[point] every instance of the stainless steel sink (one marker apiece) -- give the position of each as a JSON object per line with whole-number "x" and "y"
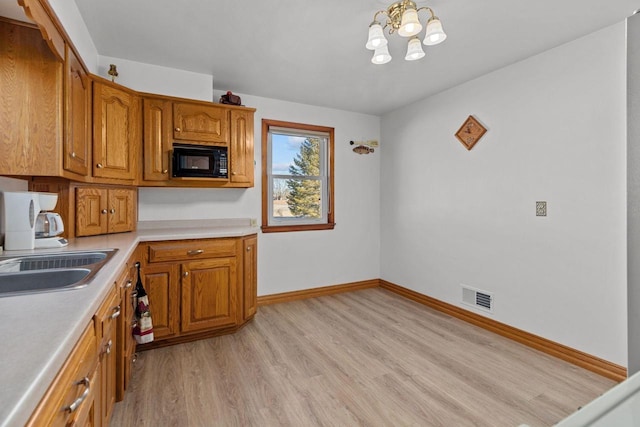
{"x": 26, "y": 274}
{"x": 42, "y": 280}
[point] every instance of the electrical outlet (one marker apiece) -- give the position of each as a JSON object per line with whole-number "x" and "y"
{"x": 541, "y": 208}
{"x": 254, "y": 222}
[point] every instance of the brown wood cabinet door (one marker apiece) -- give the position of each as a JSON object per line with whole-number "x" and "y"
{"x": 250, "y": 276}
{"x": 156, "y": 139}
{"x": 241, "y": 148}
{"x": 31, "y": 90}
{"x": 77, "y": 142}
{"x": 201, "y": 123}
{"x": 115, "y": 115}
{"x": 209, "y": 294}
{"x": 91, "y": 211}
{"x": 162, "y": 283}
{"x": 121, "y": 209}
{"x": 106, "y": 322}
{"x": 125, "y": 321}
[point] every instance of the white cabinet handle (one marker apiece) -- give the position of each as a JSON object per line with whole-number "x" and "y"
{"x": 129, "y": 284}
{"x": 116, "y": 312}
{"x": 73, "y": 154}
{"x": 99, "y": 166}
{"x": 186, "y": 274}
{"x": 76, "y": 403}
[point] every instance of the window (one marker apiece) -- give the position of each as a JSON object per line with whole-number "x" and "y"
{"x": 297, "y": 177}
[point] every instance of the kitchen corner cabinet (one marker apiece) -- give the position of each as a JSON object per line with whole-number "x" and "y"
{"x": 198, "y": 288}
{"x": 103, "y": 210}
{"x": 203, "y": 124}
{"x": 116, "y": 131}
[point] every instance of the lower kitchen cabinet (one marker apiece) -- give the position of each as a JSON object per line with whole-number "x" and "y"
{"x": 126, "y": 344}
{"x": 209, "y": 294}
{"x": 162, "y": 284}
{"x": 73, "y": 397}
{"x": 106, "y": 324}
{"x": 199, "y": 288}
{"x": 250, "y": 277}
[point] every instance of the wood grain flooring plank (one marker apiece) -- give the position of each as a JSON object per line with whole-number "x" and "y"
{"x": 367, "y": 358}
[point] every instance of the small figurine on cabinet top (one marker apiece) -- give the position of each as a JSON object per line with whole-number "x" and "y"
{"x": 230, "y": 98}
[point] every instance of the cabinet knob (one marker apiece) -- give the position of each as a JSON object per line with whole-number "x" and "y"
{"x": 73, "y": 154}
{"x": 234, "y": 173}
{"x": 128, "y": 284}
{"x": 108, "y": 347}
{"x": 186, "y": 274}
{"x": 248, "y": 248}
{"x": 103, "y": 211}
{"x": 166, "y": 171}
{"x": 178, "y": 130}
{"x": 112, "y": 211}
{"x": 99, "y": 166}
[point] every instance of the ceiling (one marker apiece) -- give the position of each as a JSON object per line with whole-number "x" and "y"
{"x": 313, "y": 52}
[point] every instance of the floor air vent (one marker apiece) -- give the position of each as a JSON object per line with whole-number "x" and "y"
{"x": 477, "y": 298}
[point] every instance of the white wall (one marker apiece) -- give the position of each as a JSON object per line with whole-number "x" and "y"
{"x": 633, "y": 190}
{"x": 556, "y": 133}
{"x": 156, "y": 79}
{"x": 72, "y": 21}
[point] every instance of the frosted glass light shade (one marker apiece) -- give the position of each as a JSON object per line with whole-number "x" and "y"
{"x": 376, "y": 37}
{"x": 435, "y": 33}
{"x": 381, "y": 55}
{"x": 409, "y": 26}
{"x": 414, "y": 49}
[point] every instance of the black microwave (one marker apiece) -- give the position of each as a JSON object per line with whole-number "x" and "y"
{"x": 199, "y": 161}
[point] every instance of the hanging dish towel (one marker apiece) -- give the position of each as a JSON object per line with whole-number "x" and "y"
{"x": 143, "y": 331}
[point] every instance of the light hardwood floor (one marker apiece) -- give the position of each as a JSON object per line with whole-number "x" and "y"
{"x": 361, "y": 358}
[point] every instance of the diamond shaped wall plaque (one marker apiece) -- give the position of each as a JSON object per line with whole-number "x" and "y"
{"x": 470, "y": 132}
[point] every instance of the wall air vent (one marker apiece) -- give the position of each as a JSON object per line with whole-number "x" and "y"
{"x": 476, "y": 298}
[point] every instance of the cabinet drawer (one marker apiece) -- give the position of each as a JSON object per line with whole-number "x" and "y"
{"x": 193, "y": 249}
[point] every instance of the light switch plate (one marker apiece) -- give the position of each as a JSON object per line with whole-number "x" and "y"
{"x": 541, "y": 208}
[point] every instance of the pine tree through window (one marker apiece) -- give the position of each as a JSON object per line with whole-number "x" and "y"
{"x": 297, "y": 177}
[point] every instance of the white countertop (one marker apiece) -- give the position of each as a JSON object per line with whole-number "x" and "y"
{"x": 38, "y": 331}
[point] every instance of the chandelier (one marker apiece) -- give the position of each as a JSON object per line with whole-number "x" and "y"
{"x": 402, "y": 17}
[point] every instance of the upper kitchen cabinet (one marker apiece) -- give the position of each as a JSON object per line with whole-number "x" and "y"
{"x": 31, "y": 91}
{"x": 157, "y": 131}
{"x": 200, "y": 123}
{"x": 116, "y": 131}
{"x": 241, "y": 148}
{"x": 77, "y": 145}
{"x": 169, "y": 120}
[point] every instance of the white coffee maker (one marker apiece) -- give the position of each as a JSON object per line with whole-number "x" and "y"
{"x": 19, "y": 211}
{"x": 49, "y": 225}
